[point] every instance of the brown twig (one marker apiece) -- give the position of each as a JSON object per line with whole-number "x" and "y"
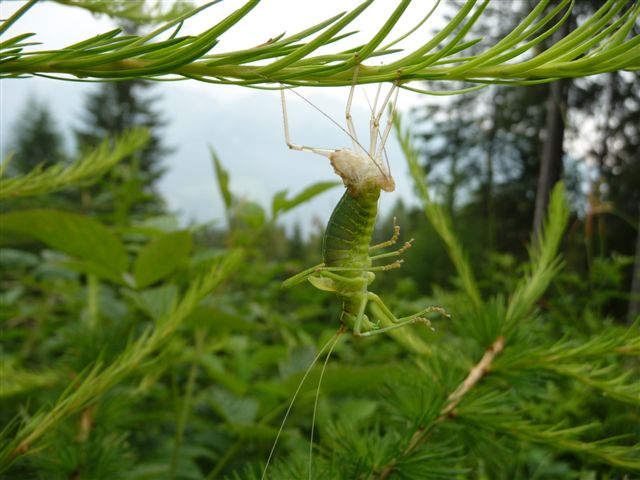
{"x": 475, "y": 375}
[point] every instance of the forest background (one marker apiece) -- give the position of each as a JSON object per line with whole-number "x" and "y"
{"x": 204, "y": 391}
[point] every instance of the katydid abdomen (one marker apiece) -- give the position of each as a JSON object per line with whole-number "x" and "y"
{"x": 349, "y": 230}
{"x": 346, "y": 245}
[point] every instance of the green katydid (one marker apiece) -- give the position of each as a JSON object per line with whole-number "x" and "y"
{"x": 348, "y": 266}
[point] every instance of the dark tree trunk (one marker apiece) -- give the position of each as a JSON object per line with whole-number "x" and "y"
{"x": 634, "y": 301}
{"x": 551, "y": 162}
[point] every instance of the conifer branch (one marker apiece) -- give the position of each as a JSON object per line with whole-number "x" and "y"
{"x": 605, "y": 42}
{"x": 585, "y": 362}
{"x": 623, "y": 456}
{"x": 89, "y": 168}
{"x": 475, "y": 375}
{"x": 479, "y": 370}
{"x": 438, "y": 217}
{"x": 88, "y": 386}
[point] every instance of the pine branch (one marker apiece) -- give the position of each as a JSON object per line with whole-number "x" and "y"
{"x": 583, "y": 362}
{"x": 96, "y": 380}
{"x": 17, "y": 381}
{"x": 605, "y": 42}
{"x": 559, "y": 439}
{"x": 544, "y": 261}
{"x": 86, "y": 169}
{"x": 476, "y": 374}
{"x": 438, "y": 217}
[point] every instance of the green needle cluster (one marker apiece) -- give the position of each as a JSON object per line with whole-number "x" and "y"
{"x": 604, "y": 42}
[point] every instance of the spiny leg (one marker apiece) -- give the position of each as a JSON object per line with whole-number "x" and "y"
{"x": 325, "y": 152}
{"x": 399, "y": 322}
{"x": 378, "y": 301}
{"x": 391, "y": 241}
{"x": 380, "y": 268}
{"x": 395, "y": 253}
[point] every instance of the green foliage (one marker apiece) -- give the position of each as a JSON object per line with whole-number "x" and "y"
{"x": 282, "y": 204}
{"x": 146, "y": 351}
{"x": 168, "y": 381}
{"x": 161, "y": 257}
{"x": 73, "y": 234}
{"x": 603, "y": 43}
{"x": 86, "y": 169}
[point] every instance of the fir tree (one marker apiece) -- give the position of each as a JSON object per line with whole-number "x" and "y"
{"x": 37, "y": 141}
{"x": 112, "y": 109}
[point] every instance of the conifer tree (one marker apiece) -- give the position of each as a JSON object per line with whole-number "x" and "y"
{"x": 36, "y": 139}
{"x": 112, "y": 109}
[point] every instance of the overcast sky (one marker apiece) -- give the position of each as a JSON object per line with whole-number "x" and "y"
{"x": 243, "y": 125}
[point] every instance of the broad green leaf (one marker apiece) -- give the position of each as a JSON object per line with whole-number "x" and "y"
{"x": 234, "y": 409}
{"x": 156, "y": 302}
{"x": 223, "y": 179}
{"x": 282, "y": 204}
{"x": 91, "y": 268}
{"x": 160, "y": 257}
{"x": 249, "y": 214}
{"x": 73, "y": 234}
{"x": 217, "y": 374}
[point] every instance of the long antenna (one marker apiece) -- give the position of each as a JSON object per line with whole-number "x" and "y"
{"x": 295, "y": 395}
{"x": 315, "y": 403}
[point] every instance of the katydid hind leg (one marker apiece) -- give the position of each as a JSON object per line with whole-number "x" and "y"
{"x": 425, "y": 311}
{"x": 359, "y": 320}
{"x": 301, "y": 277}
{"x": 402, "y": 321}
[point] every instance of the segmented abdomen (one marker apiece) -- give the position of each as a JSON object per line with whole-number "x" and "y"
{"x": 348, "y": 233}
